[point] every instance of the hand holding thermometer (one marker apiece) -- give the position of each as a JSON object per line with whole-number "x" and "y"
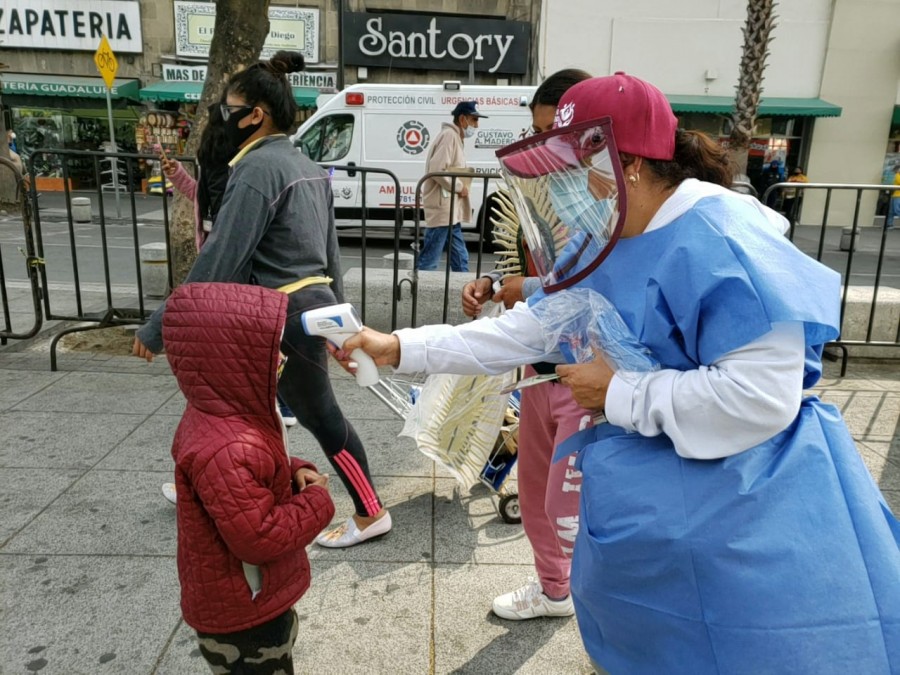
{"x": 337, "y": 323}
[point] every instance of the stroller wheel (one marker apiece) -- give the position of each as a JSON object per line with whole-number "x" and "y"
{"x": 509, "y": 509}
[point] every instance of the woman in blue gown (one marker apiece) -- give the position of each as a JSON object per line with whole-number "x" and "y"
{"x": 728, "y": 524}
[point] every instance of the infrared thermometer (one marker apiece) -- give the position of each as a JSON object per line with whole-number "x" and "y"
{"x": 337, "y": 323}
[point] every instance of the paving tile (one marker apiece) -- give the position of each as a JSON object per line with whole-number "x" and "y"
{"x": 869, "y": 415}
{"x": 365, "y": 617}
{"x": 174, "y": 406}
{"x": 182, "y": 655}
{"x": 18, "y": 385}
{"x": 58, "y": 439}
{"x": 468, "y": 528}
{"x": 884, "y": 467}
{"x": 104, "y": 513}
{"x": 27, "y": 492}
{"x": 66, "y": 615}
{"x": 102, "y": 392}
{"x": 470, "y": 639}
{"x": 147, "y": 448}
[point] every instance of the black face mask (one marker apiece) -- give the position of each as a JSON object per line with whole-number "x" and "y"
{"x": 238, "y": 135}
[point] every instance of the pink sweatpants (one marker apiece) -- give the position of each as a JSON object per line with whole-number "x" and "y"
{"x": 549, "y": 493}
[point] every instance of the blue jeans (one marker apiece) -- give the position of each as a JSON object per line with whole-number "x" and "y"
{"x": 434, "y": 244}
{"x": 892, "y": 212}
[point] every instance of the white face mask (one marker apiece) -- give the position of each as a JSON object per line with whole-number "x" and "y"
{"x": 468, "y": 132}
{"x": 577, "y": 207}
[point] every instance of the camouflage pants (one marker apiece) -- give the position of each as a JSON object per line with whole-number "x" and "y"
{"x": 261, "y": 650}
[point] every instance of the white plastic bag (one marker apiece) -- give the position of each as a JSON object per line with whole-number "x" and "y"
{"x": 456, "y": 420}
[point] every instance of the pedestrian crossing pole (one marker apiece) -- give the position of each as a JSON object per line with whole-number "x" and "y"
{"x": 108, "y": 66}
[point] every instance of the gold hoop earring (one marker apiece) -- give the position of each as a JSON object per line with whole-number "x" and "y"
{"x": 634, "y": 179}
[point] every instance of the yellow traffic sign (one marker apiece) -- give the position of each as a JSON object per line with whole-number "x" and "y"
{"x": 106, "y": 62}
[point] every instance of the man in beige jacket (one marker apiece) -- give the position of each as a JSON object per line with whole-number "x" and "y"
{"x": 447, "y": 154}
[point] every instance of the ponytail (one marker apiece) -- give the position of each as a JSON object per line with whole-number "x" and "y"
{"x": 696, "y": 156}
{"x": 266, "y": 83}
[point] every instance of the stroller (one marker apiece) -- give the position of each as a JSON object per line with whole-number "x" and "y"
{"x": 463, "y": 423}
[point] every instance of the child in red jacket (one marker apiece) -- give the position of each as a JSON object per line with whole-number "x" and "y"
{"x": 246, "y": 510}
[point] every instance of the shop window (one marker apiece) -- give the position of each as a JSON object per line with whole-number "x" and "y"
{"x": 713, "y": 125}
{"x": 327, "y": 140}
{"x": 71, "y": 129}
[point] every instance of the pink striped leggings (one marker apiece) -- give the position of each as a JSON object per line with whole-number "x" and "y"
{"x": 306, "y": 388}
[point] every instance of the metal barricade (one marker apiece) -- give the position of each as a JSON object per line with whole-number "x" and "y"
{"x": 115, "y": 311}
{"x": 481, "y": 228}
{"x": 366, "y": 172}
{"x": 825, "y": 254}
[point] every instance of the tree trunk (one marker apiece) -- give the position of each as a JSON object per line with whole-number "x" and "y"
{"x": 240, "y": 30}
{"x": 757, "y": 36}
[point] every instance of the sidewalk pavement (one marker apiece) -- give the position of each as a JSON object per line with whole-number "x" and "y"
{"x": 87, "y": 543}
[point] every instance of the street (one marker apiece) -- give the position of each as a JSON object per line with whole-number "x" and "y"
{"x": 57, "y": 245}
{"x": 57, "y": 242}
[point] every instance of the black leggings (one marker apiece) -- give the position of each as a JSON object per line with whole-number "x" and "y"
{"x": 306, "y": 388}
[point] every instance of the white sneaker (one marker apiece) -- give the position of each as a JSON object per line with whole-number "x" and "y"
{"x": 529, "y": 602}
{"x": 168, "y": 490}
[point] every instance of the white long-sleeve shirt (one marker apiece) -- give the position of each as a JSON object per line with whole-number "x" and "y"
{"x": 742, "y": 399}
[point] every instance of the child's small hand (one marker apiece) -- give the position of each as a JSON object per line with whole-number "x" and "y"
{"x": 321, "y": 481}
{"x": 304, "y": 477}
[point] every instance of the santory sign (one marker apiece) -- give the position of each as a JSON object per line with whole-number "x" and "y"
{"x": 436, "y": 42}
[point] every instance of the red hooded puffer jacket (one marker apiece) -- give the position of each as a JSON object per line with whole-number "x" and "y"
{"x": 241, "y": 521}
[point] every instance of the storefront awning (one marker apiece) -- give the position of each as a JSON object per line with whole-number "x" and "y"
{"x": 172, "y": 91}
{"x": 768, "y": 107}
{"x": 27, "y": 84}
{"x": 190, "y": 92}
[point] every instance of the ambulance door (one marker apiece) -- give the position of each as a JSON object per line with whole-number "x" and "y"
{"x": 398, "y": 141}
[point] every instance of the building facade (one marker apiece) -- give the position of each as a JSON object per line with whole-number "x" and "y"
{"x": 830, "y": 89}
{"x": 830, "y": 102}
{"x": 53, "y": 96}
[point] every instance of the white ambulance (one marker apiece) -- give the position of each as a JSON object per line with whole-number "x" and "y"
{"x": 391, "y": 126}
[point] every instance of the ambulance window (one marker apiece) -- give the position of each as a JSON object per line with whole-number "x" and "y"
{"x": 337, "y": 137}
{"x": 310, "y": 142}
{"x": 328, "y": 140}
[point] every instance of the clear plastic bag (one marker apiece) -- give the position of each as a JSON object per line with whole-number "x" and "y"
{"x": 456, "y": 420}
{"x": 578, "y": 319}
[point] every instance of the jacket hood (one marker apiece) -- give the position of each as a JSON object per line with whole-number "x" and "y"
{"x": 222, "y": 342}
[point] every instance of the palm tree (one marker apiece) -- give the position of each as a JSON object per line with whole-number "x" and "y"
{"x": 757, "y": 36}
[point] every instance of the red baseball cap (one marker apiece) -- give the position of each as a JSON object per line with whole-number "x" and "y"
{"x": 643, "y": 123}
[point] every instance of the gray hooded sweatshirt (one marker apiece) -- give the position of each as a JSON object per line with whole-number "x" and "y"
{"x": 275, "y": 227}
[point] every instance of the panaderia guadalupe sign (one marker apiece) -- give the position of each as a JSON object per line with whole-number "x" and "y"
{"x": 422, "y": 41}
{"x": 65, "y": 25}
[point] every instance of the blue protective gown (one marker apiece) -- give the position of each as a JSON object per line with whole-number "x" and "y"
{"x": 783, "y": 558}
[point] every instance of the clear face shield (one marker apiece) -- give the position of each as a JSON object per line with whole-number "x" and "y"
{"x": 568, "y": 189}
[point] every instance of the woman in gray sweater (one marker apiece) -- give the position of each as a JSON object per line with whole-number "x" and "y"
{"x": 275, "y": 228}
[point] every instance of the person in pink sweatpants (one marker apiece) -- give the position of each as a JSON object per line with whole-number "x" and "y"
{"x": 548, "y": 493}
